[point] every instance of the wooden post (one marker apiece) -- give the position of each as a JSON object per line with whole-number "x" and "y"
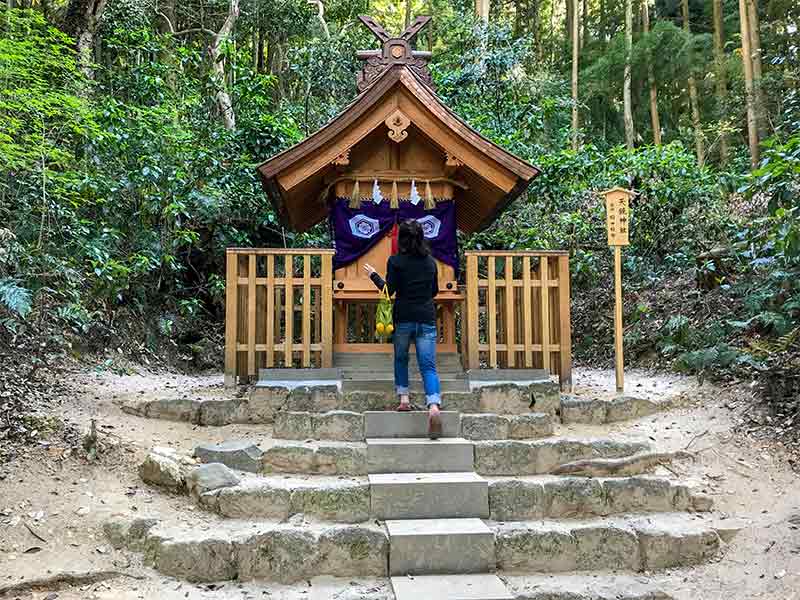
{"x": 472, "y": 302}
{"x": 617, "y": 219}
{"x": 231, "y": 316}
{"x": 565, "y": 325}
{"x": 270, "y": 316}
{"x": 327, "y": 311}
{"x": 509, "y": 297}
{"x": 251, "y": 316}
{"x": 618, "y": 332}
{"x": 288, "y": 358}
{"x": 491, "y": 314}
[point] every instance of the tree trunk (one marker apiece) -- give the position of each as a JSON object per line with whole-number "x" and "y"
{"x": 584, "y": 20}
{"x": 482, "y": 10}
{"x": 754, "y": 27}
{"x": 699, "y": 144}
{"x": 747, "y": 64}
{"x": 80, "y": 22}
{"x": 626, "y": 89}
{"x": 408, "y": 13}
{"x": 575, "y": 59}
{"x": 223, "y": 98}
{"x": 719, "y": 75}
{"x": 655, "y": 121}
{"x": 260, "y": 64}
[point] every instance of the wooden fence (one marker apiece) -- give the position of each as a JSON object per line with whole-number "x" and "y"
{"x": 517, "y": 312}
{"x": 280, "y": 313}
{"x": 279, "y": 310}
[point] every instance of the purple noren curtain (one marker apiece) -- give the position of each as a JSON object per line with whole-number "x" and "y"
{"x": 357, "y": 230}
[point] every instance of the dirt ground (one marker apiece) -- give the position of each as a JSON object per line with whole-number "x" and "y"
{"x": 53, "y": 503}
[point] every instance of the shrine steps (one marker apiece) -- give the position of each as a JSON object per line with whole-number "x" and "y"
{"x": 475, "y": 515}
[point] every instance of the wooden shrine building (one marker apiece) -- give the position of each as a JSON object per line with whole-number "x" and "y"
{"x": 396, "y": 152}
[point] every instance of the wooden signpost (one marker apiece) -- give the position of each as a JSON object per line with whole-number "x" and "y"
{"x": 617, "y": 220}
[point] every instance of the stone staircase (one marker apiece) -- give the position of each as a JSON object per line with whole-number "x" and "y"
{"x": 433, "y": 504}
{"x": 480, "y": 514}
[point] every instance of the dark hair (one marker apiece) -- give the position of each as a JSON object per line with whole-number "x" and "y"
{"x": 411, "y": 240}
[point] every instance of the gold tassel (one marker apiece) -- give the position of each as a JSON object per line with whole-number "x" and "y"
{"x": 394, "y": 201}
{"x": 355, "y": 197}
{"x": 430, "y": 203}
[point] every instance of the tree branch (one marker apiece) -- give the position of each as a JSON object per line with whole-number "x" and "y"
{"x": 321, "y": 16}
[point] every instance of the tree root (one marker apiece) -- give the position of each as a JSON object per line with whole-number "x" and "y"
{"x": 62, "y": 580}
{"x": 629, "y": 465}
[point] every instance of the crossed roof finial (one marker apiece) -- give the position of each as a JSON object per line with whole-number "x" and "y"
{"x": 395, "y": 51}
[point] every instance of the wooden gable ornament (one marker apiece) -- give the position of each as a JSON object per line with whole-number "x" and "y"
{"x": 396, "y": 132}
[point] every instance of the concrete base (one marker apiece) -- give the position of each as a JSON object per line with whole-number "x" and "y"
{"x": 450, "y": 587}
{"x": 386, "y": 424}
{"x": 425, "y": 547}
{"x": 429, "y": 495}
{"x": 418, "y": 455}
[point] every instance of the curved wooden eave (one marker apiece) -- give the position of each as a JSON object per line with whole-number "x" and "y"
{"x": 269, "y": 171}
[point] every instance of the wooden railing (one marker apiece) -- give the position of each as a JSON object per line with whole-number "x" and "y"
{"x": 279, "y": 310}
{"x": 517, "y": 312}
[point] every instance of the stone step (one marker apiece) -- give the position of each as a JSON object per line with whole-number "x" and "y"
{"x": 598, "y": 411}
{"x": 659, "y": 541}
{"x": 428, "y": 495}
{"x": 388, "y": 424}
{"x": 488, "y": 426}
{"x": 434, "y": 546}
{"x": 582, "y": 587}
{"x": 266, "y": 399}
{"x": 220, "y": 550}
{"x": 325, "y": 498}
{"x": 387, "y": 386}
{"x": 550, "y": 497}
{"x": 538, "y": 457}
{"x": 245, "y": 551}
{"x": 351, "y": 426}
{"x": 419, "y": 455}
{"x": 450, "y": 587}
{"x": 386, "y": 359}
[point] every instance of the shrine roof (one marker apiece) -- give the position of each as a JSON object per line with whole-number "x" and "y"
{"x": 297, "y": 180}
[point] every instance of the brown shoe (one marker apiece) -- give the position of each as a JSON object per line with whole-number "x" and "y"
{"x": 435, "y": 426}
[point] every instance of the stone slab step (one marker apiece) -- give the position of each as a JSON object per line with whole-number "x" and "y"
{"x": 429, "y": 495}
{"x": 419, "y": 455}
{"x": 598, "y": 411}
{"x": 488, "y": 426}
{"x": 386, "y": 359}
{"x": 434, "y": 546}
{"x": 388, "y": 424}
{"x": 450, "y": 587}
{"x": 551, "y": 497}
{"x": 537, "y": 457}
{"x": 643, "y": 543}
{"x": 387, "y": 385}
{"x": 244, "y": 551}
{"x": 326, "y": 498}
{"x": 583, "y": 587}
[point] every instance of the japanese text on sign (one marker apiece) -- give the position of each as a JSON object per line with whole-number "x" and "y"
{"x": 617, "y": 218}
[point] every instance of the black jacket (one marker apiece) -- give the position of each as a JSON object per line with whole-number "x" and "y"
{"x": 415, "y": 281}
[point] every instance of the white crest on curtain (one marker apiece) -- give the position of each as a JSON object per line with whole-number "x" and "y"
{"x": 414, "y": 196}
{"x": 430, "y": 226}
{"x": 377, "y": 197}
{"x": 365, "y": 227}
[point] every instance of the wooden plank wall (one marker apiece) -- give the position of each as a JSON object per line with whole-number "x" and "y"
{"x": 517, "y": 312}
{"x": 279, "y": 310}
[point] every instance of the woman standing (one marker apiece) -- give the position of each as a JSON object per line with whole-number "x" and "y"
{"x": 412, "y": 275}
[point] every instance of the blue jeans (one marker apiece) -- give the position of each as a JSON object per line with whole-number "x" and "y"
{"x": 424, "y": 337}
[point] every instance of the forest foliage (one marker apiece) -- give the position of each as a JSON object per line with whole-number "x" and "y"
{"x": 121, "y": 183}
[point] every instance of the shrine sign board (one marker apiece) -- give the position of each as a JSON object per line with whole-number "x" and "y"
{"x": 617, "y": 216}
